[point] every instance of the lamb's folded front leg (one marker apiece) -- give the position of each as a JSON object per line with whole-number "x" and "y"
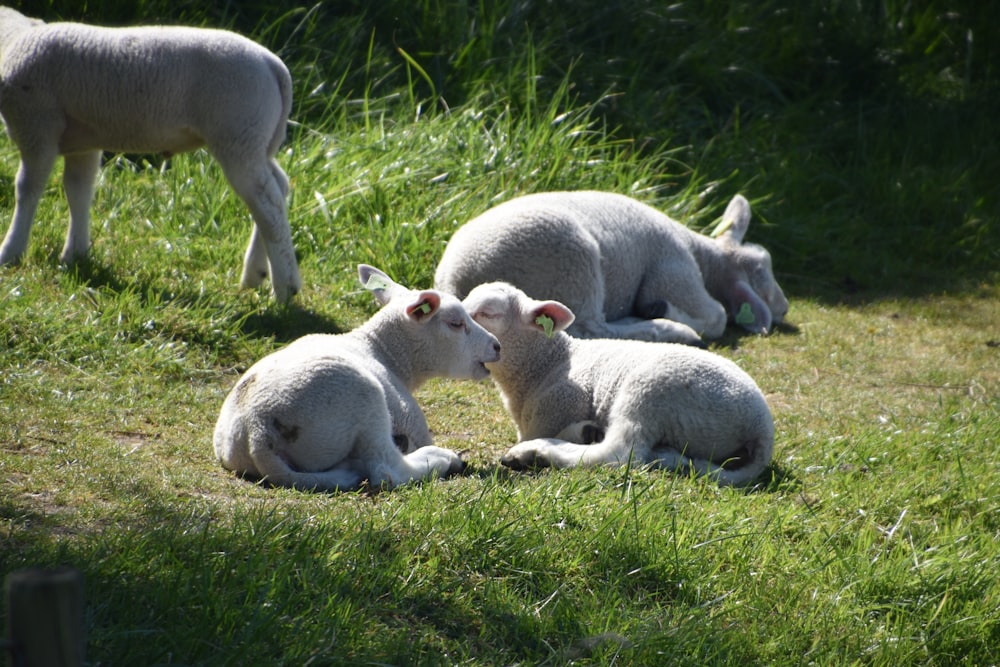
{"x": 582, "y": 432}
{"x": 556, "y": 453}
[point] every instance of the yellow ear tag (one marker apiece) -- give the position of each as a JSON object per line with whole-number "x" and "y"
{"x": 723, "y": 227}
{"x": 745, "y": 314}
{"x": 424, "y": 308}
{"x": 546, "y": 323}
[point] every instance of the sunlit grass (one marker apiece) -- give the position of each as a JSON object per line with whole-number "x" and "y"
{"x": 873, "y": 540}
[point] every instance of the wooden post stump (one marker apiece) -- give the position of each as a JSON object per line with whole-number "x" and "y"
{"x": 45, "y": 618}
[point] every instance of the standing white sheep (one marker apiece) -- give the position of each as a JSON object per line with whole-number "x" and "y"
{"x": 624, "y": 268}
{"x": 74, "y": 90}
{"x": 330, "y": 411}
{"x": 591, "y": 402}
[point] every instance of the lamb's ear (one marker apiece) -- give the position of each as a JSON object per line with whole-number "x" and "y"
{"x": 378, "y": 283}
{"x": 735, "y": 221}
{"x": 423, "y": 305}
{"x": 748, "y": 310}
{"x": 550, "y": 317}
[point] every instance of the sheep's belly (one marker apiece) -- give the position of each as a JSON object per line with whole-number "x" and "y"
{"x": 125, "y": 137}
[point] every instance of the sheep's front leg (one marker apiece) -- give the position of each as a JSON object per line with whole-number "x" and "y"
{"x": 32, "y": 174}
{"x": 584, "y": 432}
{"x": 425, "y": 463}
{"x": 79, "y": 175}
{"x": 544, "y": 453}
{"x": 624, "y": 443}
{"x": 675, "y": 292}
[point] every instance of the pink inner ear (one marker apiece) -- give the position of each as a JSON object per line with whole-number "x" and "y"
{"x": 560, "y": 315}
{"x": 425, "y": 305}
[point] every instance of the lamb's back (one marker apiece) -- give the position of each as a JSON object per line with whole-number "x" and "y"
{"x": 665, "y": 377}
{"x": 560, "y": 245}
{"x": 117, "y": 85}
{"x": 521, "y": 242}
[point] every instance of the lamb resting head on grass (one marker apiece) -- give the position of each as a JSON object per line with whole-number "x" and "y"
{"x": 590, "y": 402}
{"x": 330, "y": 411}
{"x": 625, "y": 269}
{"x": 74, "y": 90}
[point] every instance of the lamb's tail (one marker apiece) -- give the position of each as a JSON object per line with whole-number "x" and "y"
{"x": 284, "y": 81}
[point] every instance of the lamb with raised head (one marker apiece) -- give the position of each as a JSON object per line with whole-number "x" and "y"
{"x": 625, "y": 269}
{"x": 75, "y": 90}
{"x": 590, "y": 402}
{"x": 331, "y": 411}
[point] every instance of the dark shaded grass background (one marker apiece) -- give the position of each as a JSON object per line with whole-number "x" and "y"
{"x": 865, "y": 133}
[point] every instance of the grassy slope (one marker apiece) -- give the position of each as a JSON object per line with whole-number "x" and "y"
{"x": 875, "y": 541}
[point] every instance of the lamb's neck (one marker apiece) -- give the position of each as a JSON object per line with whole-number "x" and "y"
{"x": 526, "y": 366}
{"x": 709, "y": 255}
{"x": 393, "y": 351}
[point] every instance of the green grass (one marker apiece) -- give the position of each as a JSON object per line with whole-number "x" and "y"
{"x": 865, "y": 141}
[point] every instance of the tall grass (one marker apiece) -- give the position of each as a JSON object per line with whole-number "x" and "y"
{"x": 863, "y": 136}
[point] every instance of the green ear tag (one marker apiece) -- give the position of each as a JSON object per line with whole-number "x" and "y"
{"x": 376, "y": 283}
{"x": 546, "y": 323}
{"x": 745, "y": 314}
{"x": 424, "y": 308}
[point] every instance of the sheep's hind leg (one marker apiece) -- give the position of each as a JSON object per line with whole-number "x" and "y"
{"x": 658, "y": 330}
{"x": 258, "y": 184}
{"x": 32, "y": 175}
{"x": 591, "y": 323}
{"x": 78, "y": 182}
{"x": 255, "y": 265}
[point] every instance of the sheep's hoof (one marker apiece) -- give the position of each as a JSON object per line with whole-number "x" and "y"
{"x": 524, "y": 460}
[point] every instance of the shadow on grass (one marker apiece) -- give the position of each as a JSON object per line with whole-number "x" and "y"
{"x": 287, "y": 322}
{"x": 775, "y": 478}
{"x": 283, "y": 322}
{"x": 734, "y": 334}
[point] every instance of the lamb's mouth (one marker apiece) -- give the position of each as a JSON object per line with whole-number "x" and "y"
{"x": 484, "y": 369}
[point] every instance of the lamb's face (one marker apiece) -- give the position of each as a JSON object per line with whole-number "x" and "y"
{"x": 459, "y": 343}
{"x": 514, "y": 317}
{"x": 494, "y": 306}
{"x": 755, "y": 263}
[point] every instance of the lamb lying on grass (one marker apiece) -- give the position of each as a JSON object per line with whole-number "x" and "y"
{"x": 625, "y": 269}
{"x": 74, "y": 90}
{"x": 330, "y": 411}
{"x": 589, "y": 402}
